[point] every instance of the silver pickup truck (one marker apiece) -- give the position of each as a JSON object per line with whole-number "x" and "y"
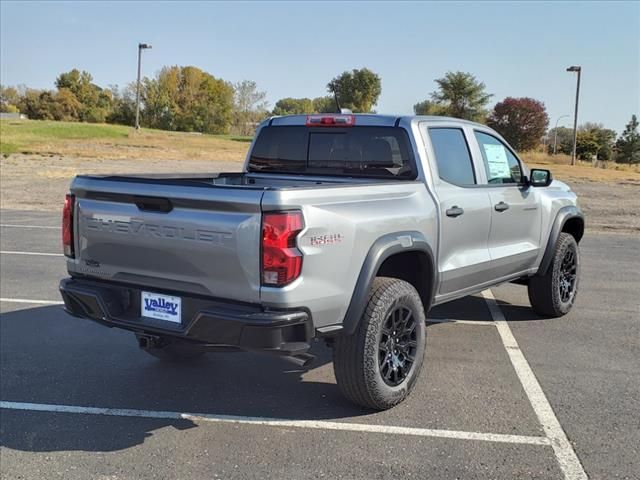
{"x": 346, "y": 228}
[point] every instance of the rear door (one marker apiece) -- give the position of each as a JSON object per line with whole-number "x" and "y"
{"x": 514, "y": 240}
{"x": 168, "y": 237}
{"x": 465, "y": 210}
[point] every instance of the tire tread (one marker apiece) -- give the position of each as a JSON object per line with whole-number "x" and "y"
{"x": 352, "y": 364}
{"x": 542, "y": 288}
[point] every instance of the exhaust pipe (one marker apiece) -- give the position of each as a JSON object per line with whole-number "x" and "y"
{"x": 301, "y": 359}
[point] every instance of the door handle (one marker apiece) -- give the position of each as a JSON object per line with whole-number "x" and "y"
{"x": 454, "y": 211}
{"x": 501, "y": 207}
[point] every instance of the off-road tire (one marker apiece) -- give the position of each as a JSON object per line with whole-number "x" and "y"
{"x": 175, "y": 352}
{"x": 545, "y": 290}
{"x": 357, "y": 357}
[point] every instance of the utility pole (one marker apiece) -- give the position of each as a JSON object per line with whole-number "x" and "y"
{"x": 141, "y": 46}
{"x": 578, "y": 70}
{"x": 555, "y": 133}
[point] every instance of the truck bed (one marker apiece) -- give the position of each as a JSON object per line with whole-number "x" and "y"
{"x": 191, "y": 233}
{"x": 232, "y": 179}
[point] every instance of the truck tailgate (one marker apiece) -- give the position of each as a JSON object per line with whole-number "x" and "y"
{"x": 202, "y": 240}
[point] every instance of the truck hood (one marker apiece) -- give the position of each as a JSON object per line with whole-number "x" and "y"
{"x": 559, "y": 185}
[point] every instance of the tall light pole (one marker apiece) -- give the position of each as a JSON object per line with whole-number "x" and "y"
{"x": 555, "y": 133}
{"x": 578, "y": 70}
{"x": 141, "y": 46}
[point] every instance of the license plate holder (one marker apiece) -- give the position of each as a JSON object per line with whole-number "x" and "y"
{"x": 161, "y": 307}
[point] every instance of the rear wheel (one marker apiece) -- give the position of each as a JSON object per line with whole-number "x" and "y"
{"x": 378, "y": 366}
{"x": 554, "y": 293}
{"x": 171, "y": 351}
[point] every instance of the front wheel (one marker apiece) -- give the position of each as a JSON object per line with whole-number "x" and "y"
{"x": 378, "y": 366}
{"x": 554, "y": 293}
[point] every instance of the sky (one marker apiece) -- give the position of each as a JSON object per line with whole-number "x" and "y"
{"x": 292, "y": 49}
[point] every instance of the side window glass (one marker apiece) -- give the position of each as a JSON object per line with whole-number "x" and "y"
{"x": 452, "y": 156}
{"x": 501, "y": 165}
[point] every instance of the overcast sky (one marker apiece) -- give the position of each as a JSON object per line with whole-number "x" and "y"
{"x": 292, "y": 49}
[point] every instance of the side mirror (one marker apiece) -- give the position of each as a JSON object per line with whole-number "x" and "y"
{"x": 540, "y": 177}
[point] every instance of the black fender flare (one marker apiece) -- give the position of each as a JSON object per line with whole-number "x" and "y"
{"x": 383, "y": 248}
{"x": 564, "y": 214}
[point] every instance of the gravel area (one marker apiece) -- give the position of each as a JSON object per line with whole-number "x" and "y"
{"x": 35, "y": 182}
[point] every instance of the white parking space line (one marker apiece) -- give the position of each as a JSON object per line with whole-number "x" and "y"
{"x": 275, "y": 422}
{"x": 462, "y": 322}
{"x": 566, "y": 456}
{"x": 7, "y": 252}
{"x": 28, "y": 300}
{"x": 28, "y": 226}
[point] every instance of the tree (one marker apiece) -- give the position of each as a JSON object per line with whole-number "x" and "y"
{"x": 9, "y": 99}
{"x": 564, "y": 141}
{"x": 250, "y": 107}
{"x": 124, "y": 105}
{"x": 78, "y": 82}
{"x": 357, "y": 90}
{"x": 66, "y": 106}
{"x": 293, "y": 106}
{"x": 96, "y": 103}
{"x": 459, "y": 95}
{"x": 594, "y": 139}
{"x": 187, "y": 99}
{"x": 521, "y": 121}
{"x": 628, "y": 145}
{"x": 606, "y": 142}
{"x": 299, "y": 106}
{"x": 591, "y": 139}
{"x": 37, "y": 104}
{"x": 325, "y": 104}
{"x": 427, "y": 107}
{"x": 586, "y": 144}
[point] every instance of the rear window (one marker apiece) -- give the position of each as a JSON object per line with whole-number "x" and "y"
{"x": 353, "y": 151}
{"x": 452, "y": 156}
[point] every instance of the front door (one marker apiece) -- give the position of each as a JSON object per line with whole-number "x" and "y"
{"x": 514, "y": 239}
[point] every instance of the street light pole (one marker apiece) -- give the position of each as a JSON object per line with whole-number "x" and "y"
{"x": 578, "y": 70}
{"x": 555, "y": 133}
{"x": 141, "y": 46}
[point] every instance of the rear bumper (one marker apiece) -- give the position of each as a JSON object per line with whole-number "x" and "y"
{"x": 206, "y": 322}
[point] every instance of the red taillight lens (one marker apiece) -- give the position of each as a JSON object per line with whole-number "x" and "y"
{"x": 281, "y": 260}
{"x": 330, "y": 120}
{"x": 67, "y": 225}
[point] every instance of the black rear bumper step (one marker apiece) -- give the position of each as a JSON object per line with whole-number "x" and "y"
{"x": 205, "y": 322}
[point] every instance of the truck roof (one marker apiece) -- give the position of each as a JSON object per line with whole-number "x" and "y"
{"x": 369, "y": 119}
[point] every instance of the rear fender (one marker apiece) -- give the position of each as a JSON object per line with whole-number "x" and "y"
{"x": 382, "y": 249}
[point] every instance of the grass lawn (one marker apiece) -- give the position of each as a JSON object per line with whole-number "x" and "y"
{"x": 118, "y": 142}
{"x": 88, "y": 140}
{"x": 24, "y": 135}
{"x": 560, "y": 166}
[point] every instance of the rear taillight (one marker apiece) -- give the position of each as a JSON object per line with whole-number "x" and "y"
{"x": 281, "y": 260}
{"x": 330, "y": 120}
{"x": 67, "y": 225}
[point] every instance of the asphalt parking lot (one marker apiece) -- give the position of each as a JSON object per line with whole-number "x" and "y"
{"x": 521, "y": 398}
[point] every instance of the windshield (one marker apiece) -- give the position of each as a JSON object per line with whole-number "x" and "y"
{"x": 353, "y": 151}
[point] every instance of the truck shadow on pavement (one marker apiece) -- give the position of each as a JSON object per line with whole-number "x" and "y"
{"x": 49, "y": 357}
{"x": 474, "y": 308}
{"x": 521, "y": 313}
{"x": 47, "y": 432}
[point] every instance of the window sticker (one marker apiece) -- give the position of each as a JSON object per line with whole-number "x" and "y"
{"x": 497, "y": 161}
